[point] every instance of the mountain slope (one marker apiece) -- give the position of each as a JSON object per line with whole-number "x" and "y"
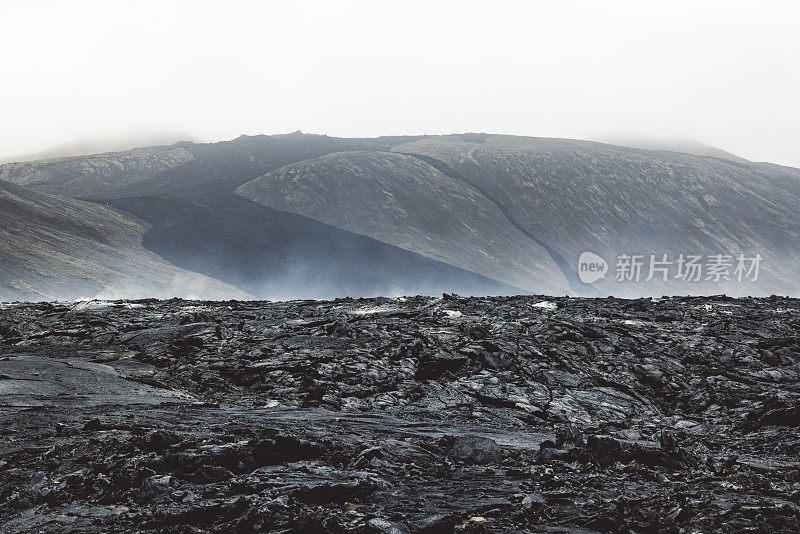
{"x": 229, "y": 164}
{"x": 198, "y": 224}
{"x": 515, "y": 209}
{"x": 107, "y": 143}
{"x": 279, "y": 255}
{"x": 404, "y": 201}
{"x": 56, "y": 248}
{"x": 578, "y": 196}
{"x": 673, "y": 144}
{"x": 94, "y": 175}
{"x": 180, "y": 169}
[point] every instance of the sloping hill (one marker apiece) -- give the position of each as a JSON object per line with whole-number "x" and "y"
{"x": 278, "y": 255}
{"x": 100, "y": 144}
{"x": 404, "y": 201}
{"x": 93, "y": 175}
{"x": 515, "y": 209}
{"x": 228, "y": 164}
{"x": 198, "y": 224}
{"x": 673, "y": 144}
{"x": 578, "y": 196}
{"x": 54, "y": 248}
{"x": 181, "y": 168}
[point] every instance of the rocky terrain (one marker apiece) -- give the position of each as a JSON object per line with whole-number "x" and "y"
{"x": 507, "y": 414}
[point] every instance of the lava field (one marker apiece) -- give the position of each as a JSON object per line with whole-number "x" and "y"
{"x": 451, "y": 414}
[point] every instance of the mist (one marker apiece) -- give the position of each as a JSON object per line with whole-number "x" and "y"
{"x": 721, "y": 72}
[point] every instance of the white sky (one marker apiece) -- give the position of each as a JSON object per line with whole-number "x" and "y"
{"x": 724, "y": 72}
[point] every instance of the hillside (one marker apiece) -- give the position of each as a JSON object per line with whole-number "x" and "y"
{"x": 95, "y": 174}
{"x": 54, "y": 248}
{"x": 404, "y": 201}
{"x": 578, "y": 196}
{"x": 100, "y": 144}
{"x": 279, "y": 255}
{"x": 517, "y": 212}
{"x": 672, "y": 144}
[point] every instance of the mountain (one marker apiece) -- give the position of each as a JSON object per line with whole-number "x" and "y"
{"x": 279, "y": 255}
{"x": 96, "y": 174}
{"x": 578, "y": 196}
{"x": 312, "y": 215}
{"x": 106, "y": 143}
{"x": 54, "y": 248}
{"x": 672, "y": 144}
{"x": 185, "y": 195}
{"x": 403, "y": 200}
{"x": 200, "y": 224}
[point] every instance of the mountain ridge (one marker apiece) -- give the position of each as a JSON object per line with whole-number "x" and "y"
{"x": 513, "y": 209}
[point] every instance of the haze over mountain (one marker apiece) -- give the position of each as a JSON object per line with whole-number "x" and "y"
{"x": 300, "y": 215}
{"x": 98, "y": 144}
{"x": 671, "y": 144}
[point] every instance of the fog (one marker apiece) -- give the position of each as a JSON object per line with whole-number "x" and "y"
{"x": 722, "y": 72}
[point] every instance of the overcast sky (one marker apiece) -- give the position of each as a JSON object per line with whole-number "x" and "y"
{"x": 723, "y": 72}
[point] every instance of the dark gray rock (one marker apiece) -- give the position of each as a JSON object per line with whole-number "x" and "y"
{"x": 475, "y": 450}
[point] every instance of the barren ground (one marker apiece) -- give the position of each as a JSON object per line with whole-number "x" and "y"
{"x": 520, "y": 414}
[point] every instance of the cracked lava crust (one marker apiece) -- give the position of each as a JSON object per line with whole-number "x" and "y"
{"x": 513, "y": 414}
